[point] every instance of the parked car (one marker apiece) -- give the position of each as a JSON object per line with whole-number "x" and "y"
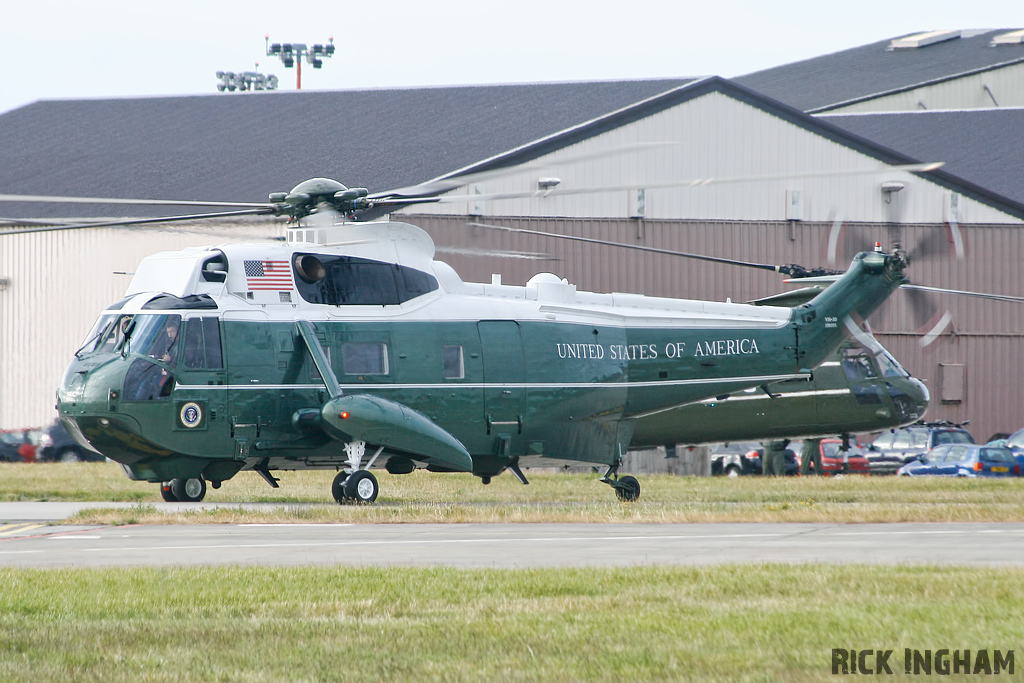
{"x": 56, "y": 445}
{"x": 1015, "y": 442}
{"x": 833, "y": 462}
{"x": 730, "y": 459}
{"x": 964, "y": 460}
{"x": 909, "y": 443}
{"x": 16, "y": 445}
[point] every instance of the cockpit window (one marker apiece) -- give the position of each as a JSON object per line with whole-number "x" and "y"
{"x": 352, "y": 281}
{"x": 155, "y": 336}
{"x": 890, "y": 368}
{"x": 108, "y": 334}
{"x": 859, "y": 366}
{"x": 147, "y": 381}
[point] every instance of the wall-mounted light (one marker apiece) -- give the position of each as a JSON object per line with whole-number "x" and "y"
{"x": 891, "y": 187}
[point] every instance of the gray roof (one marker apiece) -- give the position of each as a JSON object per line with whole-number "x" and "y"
{"x": 981, "y": 146}
{"x": 867, "y": 71}
{"x": 242, "y": 146}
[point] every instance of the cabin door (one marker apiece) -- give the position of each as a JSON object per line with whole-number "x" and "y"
{"x": 502, "y": 348}
{"x": 251, "y": 363}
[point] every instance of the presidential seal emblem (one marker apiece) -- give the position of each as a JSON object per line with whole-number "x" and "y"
{"x": 191, "y": 414}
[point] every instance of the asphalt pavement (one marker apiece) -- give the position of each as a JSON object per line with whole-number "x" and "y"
{"x": 31, "y": 542}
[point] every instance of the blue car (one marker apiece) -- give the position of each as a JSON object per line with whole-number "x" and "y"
{"x": 1015, "y": 442}
{"x": 964, "y": 460}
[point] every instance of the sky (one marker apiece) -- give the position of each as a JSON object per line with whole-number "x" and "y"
{"x": 70, "y": 49}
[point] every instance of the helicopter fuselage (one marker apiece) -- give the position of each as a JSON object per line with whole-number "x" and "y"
{"x": 273, "y": 357}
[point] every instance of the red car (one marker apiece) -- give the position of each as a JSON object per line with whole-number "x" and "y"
{"x": 832, "y": 459}
{"x": 16, "y": 445}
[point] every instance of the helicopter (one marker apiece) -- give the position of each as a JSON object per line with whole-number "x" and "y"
{"x": 349, "y": 346}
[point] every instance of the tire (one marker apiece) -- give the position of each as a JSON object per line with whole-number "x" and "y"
{"x": 68, "y": 455}
{"x": 338, "y": 488}
{"x": 189, "y": 490}
{"x": 362, "y": 487}
{"x": 628, "y": 489}
{"x": 166, "y": 493}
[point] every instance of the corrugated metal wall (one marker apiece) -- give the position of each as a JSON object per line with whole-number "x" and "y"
{"x": 58, "y": 282}
{"x": 715, "y": 136}
{"x": 1002, "y": 87}
{"x": 985, "y": 337}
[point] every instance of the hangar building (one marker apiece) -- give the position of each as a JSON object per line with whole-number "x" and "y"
{"x": 809, "y": 178}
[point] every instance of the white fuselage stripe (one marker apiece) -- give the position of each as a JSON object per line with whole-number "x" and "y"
{"x": 506, "y": 385}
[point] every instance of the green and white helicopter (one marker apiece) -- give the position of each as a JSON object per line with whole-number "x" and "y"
{"x": 348, "y": 347}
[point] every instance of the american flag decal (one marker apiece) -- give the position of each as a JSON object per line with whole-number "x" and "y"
{"x": 268, "y": 275}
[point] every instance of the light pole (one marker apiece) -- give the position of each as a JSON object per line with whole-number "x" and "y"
{"x": 292, "y": 54}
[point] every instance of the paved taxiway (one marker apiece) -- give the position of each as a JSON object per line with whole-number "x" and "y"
{"x": 28, "y": 543}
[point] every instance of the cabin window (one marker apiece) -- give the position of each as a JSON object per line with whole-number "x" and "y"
{"x": 202, "y": 343}
{"x": 352, "y": 281}
{"x": 454, "y": 367}
{"x": 359, "y": 358}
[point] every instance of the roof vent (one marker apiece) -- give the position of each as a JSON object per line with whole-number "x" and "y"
{"x": 923, "y": 39}
{"x": 1011, "y": 38}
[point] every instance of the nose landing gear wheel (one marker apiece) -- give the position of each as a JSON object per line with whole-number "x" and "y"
{"x": 338, "y": 488}
{"x": 627, "y": 489}
{"x": 166, "y": 493}
{"x": 188, "y": 490}
{"x": 362, "y": 487}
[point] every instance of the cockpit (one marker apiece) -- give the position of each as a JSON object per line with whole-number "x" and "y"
{"x": 162, "y": 341}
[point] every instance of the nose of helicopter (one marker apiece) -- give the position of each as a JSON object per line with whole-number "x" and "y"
{"x": 910, "y": 396}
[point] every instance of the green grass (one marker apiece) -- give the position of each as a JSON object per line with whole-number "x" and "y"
{"x": 550, "y": 497}
{"x": 728, "y": 623}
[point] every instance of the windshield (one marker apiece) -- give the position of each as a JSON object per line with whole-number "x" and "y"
{"x": 952, "y": 437}
{"x": 890, "y": 368}
{"x": 107, "y": 335}
{"x": 1016, "y": 439}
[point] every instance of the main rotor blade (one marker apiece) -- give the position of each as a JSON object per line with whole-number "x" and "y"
{"x": 141, "y": 221}
{"x": 980, "y": 295}
{"x": 451, "y": 181}
{"x": 637, "y": 247}
{"x": 34, "y": 198}
{"x": 32, "y": 221}
{"x": 695, "y": 182}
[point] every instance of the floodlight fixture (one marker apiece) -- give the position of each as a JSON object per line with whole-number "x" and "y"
{"x": 292, "y": 55}
{"x": 245, "y": 80}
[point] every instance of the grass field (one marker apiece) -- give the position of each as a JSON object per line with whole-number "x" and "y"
{"x": 427, "y": 497}
{"x": 723, "y": 623}
{"x": 756, "y": 623}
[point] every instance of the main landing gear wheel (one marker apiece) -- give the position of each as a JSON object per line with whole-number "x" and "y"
{"x": 361, "y": 487}
{"x": 190, "y": 490}
{"x": 627, "y": 488}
